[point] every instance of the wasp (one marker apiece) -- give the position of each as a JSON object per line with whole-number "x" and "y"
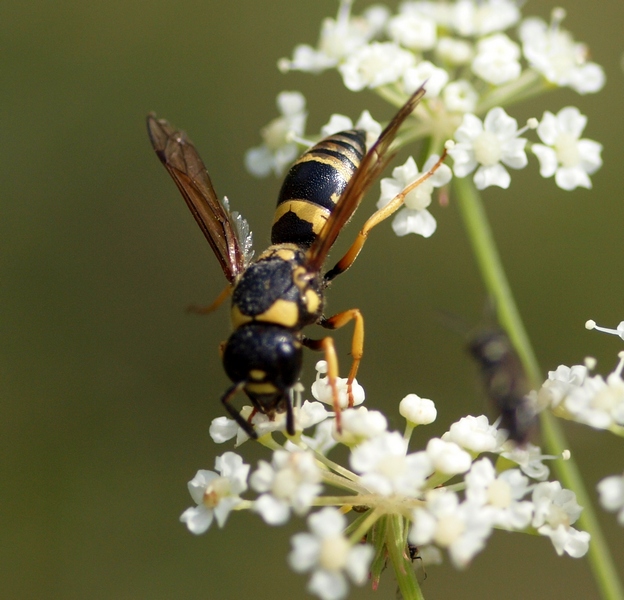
{"x": 282, "y": 291}
{"x": 505, "y": 382}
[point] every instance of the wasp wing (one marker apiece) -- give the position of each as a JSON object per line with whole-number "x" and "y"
{"x": 370, "y": 168}
{"x": 221, "y": 228}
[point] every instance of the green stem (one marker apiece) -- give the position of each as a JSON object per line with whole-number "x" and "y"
{"x": 395, "y": 543}
{"x": 490, "y": 265}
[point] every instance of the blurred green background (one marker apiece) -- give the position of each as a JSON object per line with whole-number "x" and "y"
{"x": 108, "y": 387}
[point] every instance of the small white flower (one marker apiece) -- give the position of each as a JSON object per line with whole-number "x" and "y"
{"x": 448, "y": 457}
{"x": 459, "y": 96}
{"x": 387, "y": 469}
{"x": 309, "y": 414}
{"x": 598, "y": 403}
{"x": 483, "y": 17}
{"x": 328, "y": 553}
{"x": 338, "y": 39}
{"x": 502, "y": 494}
{"x": 322, "y": 390}
{"x": 461, "y": 528}
{"x": 413, "y": 31}
{"x": 560, "y": 383}
{"x": 425, "y": 72}
{"x": 223, "y": 429}
{"x": 475, "y": 434}
{"x": 491, "y": 145}
{"x": 323, "y": 440}
{"x": 417, "y": 410}
{"x": 342, "y": 123}
{"x": 497, "y": 59}
{"x": 375, "y": 64}
{"x": 555, "y": 511}
{"x": 567, "y": 540}
{"x": 279, "y": 150}
{"x": 414, "y": 218}
{"x": 553, "y": 52}
{"x": 215, "y": 494}
{"x": 359, "y": 424}
{"x": 529, "y": 458}
{"x": 291, "y": 481}
{"x": 611, "y": 490}
{"x": 570, "y": 159}
{"x": 454, "y": 51}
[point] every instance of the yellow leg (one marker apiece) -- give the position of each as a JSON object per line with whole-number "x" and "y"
{"x": 381, "y": 215}
{"x": 204, "y": 310}
{"x": 327, "y": 346}
{"x": 357, "y": 341}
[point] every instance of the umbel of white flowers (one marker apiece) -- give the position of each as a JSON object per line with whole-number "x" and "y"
{"x": 474, "y": 58}
{"x": 496, "y": 485}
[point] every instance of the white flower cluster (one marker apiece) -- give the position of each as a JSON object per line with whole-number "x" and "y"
{"x": 386, "y": 480}
{"x": 573, "y": 393}
{"x": 473, "y": 57}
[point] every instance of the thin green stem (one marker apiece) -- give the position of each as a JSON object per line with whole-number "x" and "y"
{"x": 490, "y": 265}
{"x": 395, "y": 543}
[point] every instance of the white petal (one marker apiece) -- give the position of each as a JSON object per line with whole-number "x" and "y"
{"x": 570, "y": 120}
{"x": 358, "y": 563}
{"x": 262, "y": 478}
{"x": 572, "y": 177}
{"x": 327, "y": 522}
{"x": 548, "y": 129}
{"x": 547, "y": 159}
{"x": 289, "y": 103}
{"x": 424, "y": 527}
{"x": 442, "y": 176}
{"x": 494, "y": 175}
{"x": 499, "y": 122}
{"x": 223, "y": 429}
{"x": 272, "y": 510}
{"x": 231, "y": 465}
{"x": 390, "y": 187}
{"x": 328, "y": 585}
{"x": 259, "y": 161}
{"x": 590, "y": 155}
{"x": 470, "y": 128}
{"x": 420, "y": 222}
{"x": 464, "y": 161}
{"x": 336, "y": 123}
{"x": 305, "y": 552}
{"x": 587, "y": 79}
{"x": 197, "y": 518}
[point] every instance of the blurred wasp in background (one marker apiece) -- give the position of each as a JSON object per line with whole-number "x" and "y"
{"x": 505, "y": 382}
{"x": 275, "y": 296}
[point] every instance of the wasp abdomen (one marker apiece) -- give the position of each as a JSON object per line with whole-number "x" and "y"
{"x": 313, "y": 186}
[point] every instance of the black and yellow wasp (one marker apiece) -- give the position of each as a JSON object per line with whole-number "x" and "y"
{"x": 275, "y": 296}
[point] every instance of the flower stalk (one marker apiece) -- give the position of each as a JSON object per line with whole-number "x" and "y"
{"x": 489, "y": 262}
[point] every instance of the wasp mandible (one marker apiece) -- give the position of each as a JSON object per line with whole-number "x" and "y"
{"x": 275, "y": 296}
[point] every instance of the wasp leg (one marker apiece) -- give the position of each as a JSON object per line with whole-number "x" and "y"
{"x": 290, "y": 418}
{"x": 204, "y": 310}
{"x": 357, "y": 341}
{"x": 381, "y": 215}
{"x": 242, "y": 423}
{"x": 327, "y": 345}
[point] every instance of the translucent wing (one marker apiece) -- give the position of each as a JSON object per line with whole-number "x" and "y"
{"x": 227, "y": 233}
{"x": 370, "y": 168}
